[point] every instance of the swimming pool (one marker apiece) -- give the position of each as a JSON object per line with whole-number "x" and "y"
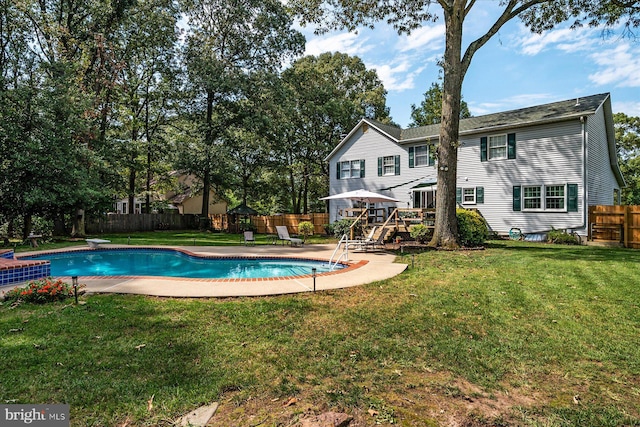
{"x": 174, "y": 263}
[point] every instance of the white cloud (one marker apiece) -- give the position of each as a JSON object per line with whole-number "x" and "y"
{"x": 348, "y": 43}
{"x": 630, "y": 108}
{"x": 428, "y": 37}
{"x": 619, "y": 66}
{"x": 564, "y": 39}
{"x": 399, "y": 77}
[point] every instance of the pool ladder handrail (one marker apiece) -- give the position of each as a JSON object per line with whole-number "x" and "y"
{"x": 345, "y": 252}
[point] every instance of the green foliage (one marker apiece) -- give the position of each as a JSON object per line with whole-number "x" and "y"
{"x": 306, "y": 229}
{"x": 40, "y": 292}
{"x": 430, "y": 110}
{"x": 420, "y": 232}
{"x": 327, "y": 96}
{"x": 562, "y": 237}
{"x": 472, "y": 228}
{"x": 628, "y": 139}
{"x": 343, "y": 226}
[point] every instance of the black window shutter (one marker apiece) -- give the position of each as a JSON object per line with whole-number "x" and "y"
{"x": 338, "y": 168}
{"x": 479, "y": 194}
{"x": 459, "y": 195}
{"x": 411, "y": 158}
{"x": 511, "y": 146}
{"x": 397, "y": 163}
{"x": 517, "y": 199}
{"x": 483, "y": 149}
{"x": 432, "y": 158}
{"x": 362, "y": 168}
{"x": 379, "y": 166}
{"x": 572, "y": 200}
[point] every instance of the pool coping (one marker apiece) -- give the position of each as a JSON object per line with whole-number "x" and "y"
{"x": 363, "y": 268}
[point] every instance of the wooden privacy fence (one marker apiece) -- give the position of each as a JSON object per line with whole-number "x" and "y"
{"x": 127, "y": 223}
{"x": 266, "y": 224}
{"x": 615, "y": 224}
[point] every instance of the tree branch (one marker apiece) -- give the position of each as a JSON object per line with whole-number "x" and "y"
{"x": 510, "y": 12}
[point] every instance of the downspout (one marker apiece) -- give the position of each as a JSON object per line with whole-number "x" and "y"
{"x": 585, "y": 169}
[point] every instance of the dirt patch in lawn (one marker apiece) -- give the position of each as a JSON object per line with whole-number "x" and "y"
{"x": 443, "y": 401}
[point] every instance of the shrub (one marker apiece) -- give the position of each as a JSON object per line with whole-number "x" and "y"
{"x": 306, "y": 229}
{"x": 562, "y": 237}
{"x": 41, "y": 291}
{"x": 420, "y": 232}
{"x": 472, "y": 228}
{"x": 344, "y": 227}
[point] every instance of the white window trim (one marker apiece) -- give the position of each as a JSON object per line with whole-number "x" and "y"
{"x": 464, "y": 202}
{"x": 506, "y": 148}
{"x": 385, "y": 165}
{"x": 543, "y": 198}
{"x": 350, "y": 169}
{"x": 421, "y": 156}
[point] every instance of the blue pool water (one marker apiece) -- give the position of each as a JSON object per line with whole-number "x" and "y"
{"x": 163, "y": 262}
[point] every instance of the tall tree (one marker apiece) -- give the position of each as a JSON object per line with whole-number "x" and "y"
{"x": 628, "y": 139}
{"x": 430, "y": 110}
{"x": 229, "y": 40}
{"x": 73, "y": 42}
{"x": 147, "y": 85}
{"x": 407, "y": 16}
{"x": 330, "y": 93}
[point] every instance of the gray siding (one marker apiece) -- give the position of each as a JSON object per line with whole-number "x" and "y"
{"x": 549, "y": 154}
{"x": 600, "y": 178}
{"x": 545, "y": 155}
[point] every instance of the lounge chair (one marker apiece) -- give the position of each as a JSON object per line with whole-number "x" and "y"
{"x": 283, "y": 235}
{"x": 369, "y": 242}
{"x": 248, "y": 238}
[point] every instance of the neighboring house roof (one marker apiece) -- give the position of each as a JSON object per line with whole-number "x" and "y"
{"x": 540, "y": 114}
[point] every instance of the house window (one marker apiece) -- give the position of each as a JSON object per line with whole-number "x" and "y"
{"x": 498, "y": 147}
{"x": 554, "y": 197}
{"x": 420, "y": 156}
{"x": 388, "y": 165}
{"x": 424, "y": 199}
{"x": 468, "y": 196}
{"x": 351, "y": 169}
{"x": 540, "y": 197}
{"x": 532, "y": 197}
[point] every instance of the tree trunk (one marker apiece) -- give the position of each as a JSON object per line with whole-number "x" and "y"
{"x": 27, "y": 221}
{"x": 132, "y": 190}
{"x": 78, "y": 224}
{"x": 59, "y": 226}
{"x": 206, "y": 179}
{"x": 446, "y": 228}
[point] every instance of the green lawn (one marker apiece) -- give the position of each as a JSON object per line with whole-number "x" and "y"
{"x": 518, "y": 334}
{"x": 175, "y": 238}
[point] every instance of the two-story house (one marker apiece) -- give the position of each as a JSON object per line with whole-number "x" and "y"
{"x": 535, "y": 168}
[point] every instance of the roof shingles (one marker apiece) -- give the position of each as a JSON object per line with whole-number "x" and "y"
{"x": 555, "y": 111}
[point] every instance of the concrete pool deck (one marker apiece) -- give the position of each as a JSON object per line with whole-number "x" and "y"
{"x": 365, "y": 267}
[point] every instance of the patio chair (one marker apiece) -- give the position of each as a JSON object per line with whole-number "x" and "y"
{"x": 249, "y": 239}
{"x": 283, "y": 235}
{"x": 369, "y": 242}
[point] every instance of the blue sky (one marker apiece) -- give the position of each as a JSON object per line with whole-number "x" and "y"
{"x": 515, "y": 69}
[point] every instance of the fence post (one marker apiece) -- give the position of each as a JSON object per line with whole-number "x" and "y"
{"x": 627, "y": 219}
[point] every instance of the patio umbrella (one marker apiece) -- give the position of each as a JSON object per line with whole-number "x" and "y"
{"x": 242, "y": 209}
{"x": 362, "y": 196}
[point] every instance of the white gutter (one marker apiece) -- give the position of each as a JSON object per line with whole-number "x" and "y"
{"x": 585, "y": 171}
